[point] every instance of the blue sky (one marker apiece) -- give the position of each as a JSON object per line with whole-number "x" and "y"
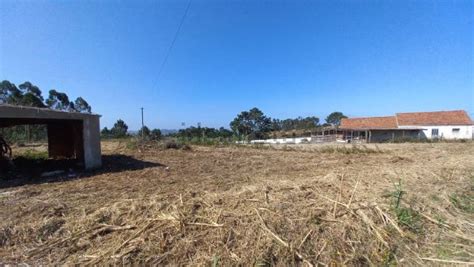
{"x": 289, "y": 58}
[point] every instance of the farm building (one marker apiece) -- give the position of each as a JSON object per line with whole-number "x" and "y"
{"x": 71, "y": 135}
{"x": 420, "y": 125}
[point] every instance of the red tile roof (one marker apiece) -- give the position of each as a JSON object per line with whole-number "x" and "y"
{"x": 455, "y": 117}
{"x": 370, "y": 123}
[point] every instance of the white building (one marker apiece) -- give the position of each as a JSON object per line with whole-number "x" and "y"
{"x": 454, "y": 124}
{"x": 442, "y": 124}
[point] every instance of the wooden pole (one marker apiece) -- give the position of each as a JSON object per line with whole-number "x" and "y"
{"x": 143, "y": 125}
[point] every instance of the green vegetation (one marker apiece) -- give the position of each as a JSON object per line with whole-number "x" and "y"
{"x": 253, "y": 124}
{"x": 335, "y": 118}
{"x": 247, "y": 125}
{"x": 31, "y": 154}
{"x": 354, "y": 149}
{"x": 463, "y": 201}
{"x": 406, "y": 216}
{"x": 25, "y": 134}
{"x": 27, "y": 94}
{"x": 118, "y": 131}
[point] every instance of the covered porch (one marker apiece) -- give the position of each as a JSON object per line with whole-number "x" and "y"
{"x": 380, "y": 135}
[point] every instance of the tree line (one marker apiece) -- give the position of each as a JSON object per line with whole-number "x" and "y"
{"x": 120, "y": 130}
{"x": 251, "y": 124}
{"x": 29, "y": 95}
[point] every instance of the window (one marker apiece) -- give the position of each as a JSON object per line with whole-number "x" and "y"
{"x": 456, "y": 131}
{"x": 434, "y": 132}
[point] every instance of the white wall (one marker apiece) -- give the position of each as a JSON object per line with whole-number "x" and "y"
{"x": 296, "y": 140}
{"x": 446, "y": 131}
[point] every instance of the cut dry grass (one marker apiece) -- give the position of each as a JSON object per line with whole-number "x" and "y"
{"x": 242, "y": 206}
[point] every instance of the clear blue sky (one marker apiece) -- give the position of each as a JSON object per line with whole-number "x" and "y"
{"x": 289, "y": 58}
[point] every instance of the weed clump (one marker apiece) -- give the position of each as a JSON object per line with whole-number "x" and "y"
{"x": 463, "y": 201}
{"x": 172, "y": 144}
{"x": 49, "y": 228}
{"x": 354, "y": 149}
{"x": 406, "y": 216}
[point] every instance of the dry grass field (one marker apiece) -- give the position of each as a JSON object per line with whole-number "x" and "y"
{"x": 406, "y": 204}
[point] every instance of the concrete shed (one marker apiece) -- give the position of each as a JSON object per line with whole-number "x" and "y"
{"x": 70, "y": 134}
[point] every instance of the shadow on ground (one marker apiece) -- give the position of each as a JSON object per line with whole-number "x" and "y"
{"x": 38, "y": 171}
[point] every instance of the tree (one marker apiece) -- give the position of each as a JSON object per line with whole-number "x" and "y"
{"x": 30, "y": 100}
{"x": 105, "y": 131}
{"x": 155, "y": 134}
{"x": 29, "y": 88}
{"x": 81, "y": 105}
{"x": 335, "y": 118}
{"x": 252, "y": 123}
{"x": 225, "y": 133}
{"x": 58, "y": 100}
{"x": 120, "y": 129}
{"x": 144, "y": 131}
{"x": 9, "y": 93}
{"x": 31, "y": 95}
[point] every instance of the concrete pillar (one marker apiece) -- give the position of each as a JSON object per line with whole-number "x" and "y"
{"x": 92, "y": 150}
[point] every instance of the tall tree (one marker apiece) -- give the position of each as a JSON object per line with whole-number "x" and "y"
{"x": 58, "y": 100}
{"x": 81, "y": 105}
{"x": 155, "y": 134}
{"x": 9, "y": 93}
{"x": 252, "y": 123}
{"x": 28, "y": 87}
{"x": 32, "y": 95}
{"x": 335, "y": 118}
{"x": 120, "y": 129}
{"x": 144, "y": 131}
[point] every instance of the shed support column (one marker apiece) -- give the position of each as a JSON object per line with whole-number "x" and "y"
{"x": 92, "y": 153}
{"x": 370, "y": 135}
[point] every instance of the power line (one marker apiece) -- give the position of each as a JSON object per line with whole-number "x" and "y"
{"x": 174, "y": 40}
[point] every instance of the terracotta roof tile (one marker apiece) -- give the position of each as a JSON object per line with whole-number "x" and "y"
{"x": 455, "y": 117}
{"x": 370, "y": 123}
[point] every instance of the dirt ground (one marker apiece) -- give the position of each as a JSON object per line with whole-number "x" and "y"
{"x": 406, "y": 204}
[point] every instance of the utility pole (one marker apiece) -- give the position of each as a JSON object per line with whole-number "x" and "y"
{"x": 143, "y": 125}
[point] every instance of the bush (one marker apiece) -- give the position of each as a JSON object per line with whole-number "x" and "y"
{"x": 172, "y": 144}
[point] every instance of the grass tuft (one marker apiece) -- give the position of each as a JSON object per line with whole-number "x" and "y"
{"x": 406, "y": 216}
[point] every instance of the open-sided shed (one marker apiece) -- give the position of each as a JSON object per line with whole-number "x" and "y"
{"x": 70, "y": 134}
{"x": 376, "y": 129}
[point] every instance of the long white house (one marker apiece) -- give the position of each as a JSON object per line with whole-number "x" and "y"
{"x": 455, "y": 124}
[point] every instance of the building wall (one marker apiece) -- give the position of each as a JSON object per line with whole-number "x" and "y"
{"x": 296, "y": 140}
{"x": 91, "y": 135}
{"x": 446, "y": 131}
